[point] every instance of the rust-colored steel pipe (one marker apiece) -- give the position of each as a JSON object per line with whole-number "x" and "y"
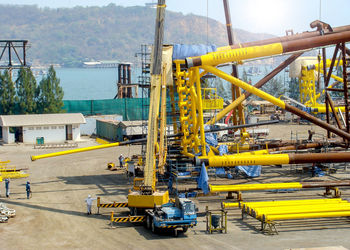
{"x": 319, "y": 158}
{"x": 325, "y": 184}
{"x": 297, "y": 147}
{"x": 307, "y": 34}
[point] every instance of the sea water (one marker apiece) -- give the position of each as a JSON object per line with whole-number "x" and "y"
{"x": 101, "y": 83}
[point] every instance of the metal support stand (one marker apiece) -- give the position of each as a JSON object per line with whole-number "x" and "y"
{"x": 238, "y": 193}
{"x": 222, "y": 227}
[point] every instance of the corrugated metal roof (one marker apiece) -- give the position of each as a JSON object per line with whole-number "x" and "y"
{"x": 41, "y": 119}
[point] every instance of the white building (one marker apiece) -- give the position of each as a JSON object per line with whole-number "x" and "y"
{"x": 41, "y": 128}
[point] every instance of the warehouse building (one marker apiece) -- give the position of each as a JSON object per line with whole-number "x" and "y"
{"x": 41, "y": 128}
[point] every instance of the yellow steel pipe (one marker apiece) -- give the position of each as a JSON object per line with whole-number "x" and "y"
{"x": 257, "y": 213}
{"x": 250, "y": 187}
{"x": 230, "y": 204}
{"x": 250, "y": 207}
{"x": 247, "y": 159}
{"x": 72, "y": 151}
{"x": 245, "y": 86}
{"x": 322, "y": 109}
{"x": 306, "y": 216}
{"x": 200, "y": 111}
{"x": 227, "y": 109}
{"x": 289, "y": 202}
{"x": 298, "y": 207}
{"x": 240, "y": 54}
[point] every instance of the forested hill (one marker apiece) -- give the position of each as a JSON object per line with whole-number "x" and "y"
{"x": 69, "y": 36}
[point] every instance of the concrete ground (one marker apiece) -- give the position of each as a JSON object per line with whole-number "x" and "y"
{"x": 55, "y": 217}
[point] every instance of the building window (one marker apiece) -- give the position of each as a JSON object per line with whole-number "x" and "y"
{"x": 46, "y": 128}
{"x": 53, "y": 127}
{"x": 38, "y": 128}
{"x": 61, "y": 127}
{"x": 31, "y": 128}
{"x": 75, "y": 126}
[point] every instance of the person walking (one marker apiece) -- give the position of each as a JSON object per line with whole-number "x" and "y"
{"x": 89, "y": 201}
{"x": 7, "y": 187}
{"x": 121, "y": 161}
{"x": 28, "y": 189}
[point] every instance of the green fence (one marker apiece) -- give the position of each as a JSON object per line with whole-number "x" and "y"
{"x": 132, "y": 109}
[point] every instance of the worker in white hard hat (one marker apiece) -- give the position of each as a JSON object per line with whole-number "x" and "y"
{"x": 121, "y": 161}
{"x": 89, "y": 201}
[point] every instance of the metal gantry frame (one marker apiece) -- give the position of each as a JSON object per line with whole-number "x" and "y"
{"x": 13, "y": 58}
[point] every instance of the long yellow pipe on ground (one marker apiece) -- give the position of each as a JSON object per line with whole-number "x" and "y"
{"x": 277, "y": 185}
{"x": 250, "y": 187}
{"x": 72, "y": 151}
{"x": 305, "y": 216}
{"x": 230, "y": 204}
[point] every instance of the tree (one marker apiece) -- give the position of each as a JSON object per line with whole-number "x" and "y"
{"x": 245, "y": 77}
{"x": 7, "y": 94}
{"x": 50, "y": 93}
{"x": 293, "y": 89}
{"x": 222, "y": 90}
{"x": 26, "y": 91}
{"x": 274, "y": 87}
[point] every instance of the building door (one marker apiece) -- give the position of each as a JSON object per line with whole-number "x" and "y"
{"x": 18, "y": 131}
{"x": 69, "y": 133}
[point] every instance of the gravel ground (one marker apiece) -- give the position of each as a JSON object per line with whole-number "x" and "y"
{"x": 55, "y": 217}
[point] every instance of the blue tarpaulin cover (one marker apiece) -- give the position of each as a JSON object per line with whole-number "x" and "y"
{"x": 203, "y": 180}
{"x": 220, "y": 171}
{"x": 223, "y": 149}
{"x": 250, "y": 171}
{"x": 181, "y": 51}
{"x": 210, "y": 138}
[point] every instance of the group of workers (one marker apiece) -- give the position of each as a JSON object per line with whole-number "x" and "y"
{"x": 7, "y": 188}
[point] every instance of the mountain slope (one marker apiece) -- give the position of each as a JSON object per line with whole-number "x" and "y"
{"x": 69, "y": 36}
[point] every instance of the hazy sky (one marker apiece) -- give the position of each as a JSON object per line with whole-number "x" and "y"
{"x": 269, "y": 16}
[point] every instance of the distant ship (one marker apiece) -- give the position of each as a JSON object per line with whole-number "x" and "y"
{"x": 102, "y": 64}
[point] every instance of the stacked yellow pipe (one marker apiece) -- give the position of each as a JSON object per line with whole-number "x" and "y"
{"x": 269, "y": 218}
{"x": 13, "y": 175}
{"x": 253, "y": 205}
{"x": 297, "y": 209}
